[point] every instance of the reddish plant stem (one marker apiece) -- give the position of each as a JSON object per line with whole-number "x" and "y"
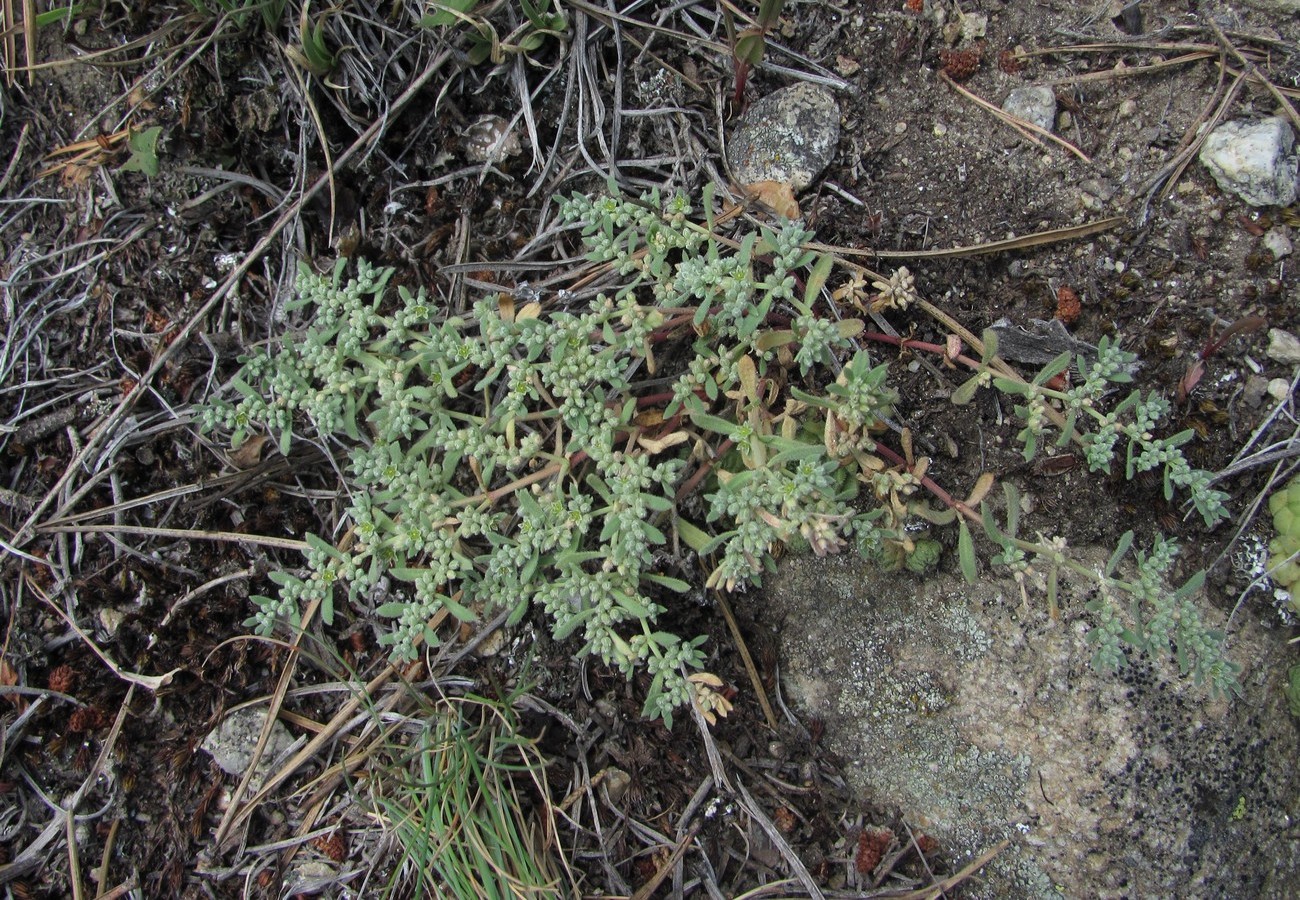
{"x": 705, "y": 468}
{"x": 907, "y": 344}
{"x": 930, "y": 485}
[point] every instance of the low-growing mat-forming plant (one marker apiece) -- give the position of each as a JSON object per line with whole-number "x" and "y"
{"x": 567, "y": 455}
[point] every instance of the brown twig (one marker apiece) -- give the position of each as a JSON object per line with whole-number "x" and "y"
{"x": 752, "y": 669}
{"x": 1250, "y": 71}
{"x": 1050, "y": 236}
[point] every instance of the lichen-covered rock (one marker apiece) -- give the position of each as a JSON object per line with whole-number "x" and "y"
{"x": 1253, "y": 160}
{"x": 232, "y": 743}
{"x": 980, "y": 719}
{"x": 788, "y": 137}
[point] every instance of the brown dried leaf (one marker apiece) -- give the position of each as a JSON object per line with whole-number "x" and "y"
{"x": 777, "y": 196}
{"x": 983, "y": 485}
{"x": 9, "y": 678}
{"x": 658, "y": 445}
{"x": 249, "y": 453}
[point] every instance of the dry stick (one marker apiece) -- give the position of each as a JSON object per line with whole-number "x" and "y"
{"x": 181, "y": 534}
{"x": 128, "y": 402}
{"x": 1050, "y": 236}
{"x": 148, "y": 682}
{"x": 754, "y": 678}
{"x": 101, "y": 876}
{"x": 29, "y": 37}
{"x": 147, "y": 500}
{"x": 1130, "y": 71}
{"x": 646, "y": 891}
{"x": 329, "y": 780}
{"x": 937, "y": 890}
{"x": 1250, "y": 71}
{"x": 235, "y": 815}
{"x": 1174, "y": 169}
{"x": 1015, "y": 122}
{"x": 320, "y": 133}
{"x": 797, "y": 868}
{"x": 273, "y": 713}
{"x": 29, "y": 859}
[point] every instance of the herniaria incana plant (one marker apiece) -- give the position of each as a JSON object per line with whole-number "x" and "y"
{"x": 529, "y": 454}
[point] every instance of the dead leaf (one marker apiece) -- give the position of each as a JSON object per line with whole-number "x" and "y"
{"x": 983, "y": 485}
{"x": 660, "y": 444}
{"x": 9, "y": 678}
{"x": 777, "y": 196}
{"x": 249, "y": 453}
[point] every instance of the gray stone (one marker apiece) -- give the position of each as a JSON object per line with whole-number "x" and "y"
{"x": 1255, "y": 390}
{"x": 1036, "y": 104}
{"x": 1253, "y": 160}
{"x": 490, "y": 139}
{"x": 980, "y": 719}
{"x": 1277, "y": 240}
{"x": 232, "y": 743}
{"x": 1280, "y": 389}
{"x": 1283, "y": 347}
{"x": 789, "y": 137}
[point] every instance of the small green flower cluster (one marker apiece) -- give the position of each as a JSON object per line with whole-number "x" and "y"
{"x": 499, "y": 460}
{"x": 1133, "y": 419}
{"x": 1170, "y": 616}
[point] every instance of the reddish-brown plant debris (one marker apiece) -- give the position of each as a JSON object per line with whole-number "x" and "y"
{"x": 1010, "y": 63}
{"x": 926, "y": 844}
{"x": 86, "y": 718}
{"x": 1068, "y": 305}
{"x": 62, "y": 679}
{"x": 332, "y": 845}
{"x": 959, "y": 64}
{"x": 872, "y": 846}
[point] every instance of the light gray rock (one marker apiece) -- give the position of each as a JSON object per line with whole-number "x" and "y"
{"x": 232, "y": 743}
{"x": 1253, "y": 160}
{"x": 980, "y": 719}
{"x": 1283, "y": 347}
{"x": 1277, "y": 240}
{"x": 1035, "y": 103}
{"x": 789, "y": 136}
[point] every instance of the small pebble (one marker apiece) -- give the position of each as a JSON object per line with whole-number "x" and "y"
{"x": 490, "y": 139}
{"x": 110, "y": 620}
{"x": 1036, "y": 104}
{"x": 1128, "y": 109}
{"x": 1277, "y": 241}
{"x": 1279, "y": 389}
{"x": 1283, "y": 347}
{"x": 1254, "y": 391}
